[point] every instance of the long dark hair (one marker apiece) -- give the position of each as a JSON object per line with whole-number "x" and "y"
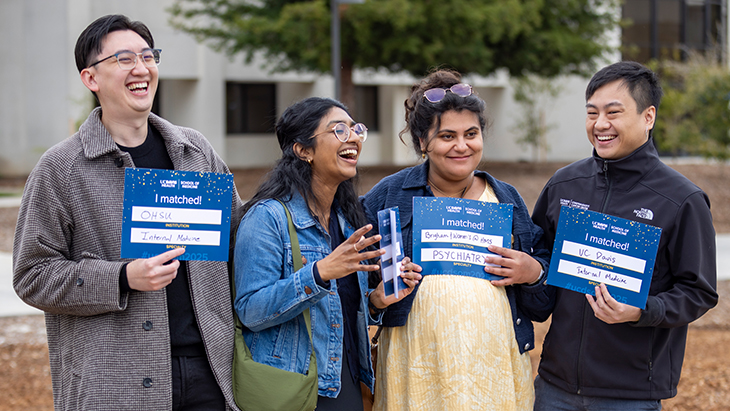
{"x": 421, "y": 114}
{"x": 292, "y": 174}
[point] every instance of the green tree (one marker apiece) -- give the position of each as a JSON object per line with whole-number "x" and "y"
{"x": 545, "y": 37}
{"x": 534, "y": 94}
{"x": 694, "y": 115}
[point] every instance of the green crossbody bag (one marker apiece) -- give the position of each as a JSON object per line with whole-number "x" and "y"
{"x": 261, "y": 387}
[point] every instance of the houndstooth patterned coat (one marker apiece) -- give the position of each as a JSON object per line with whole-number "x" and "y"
{"x": 103, "y": 353}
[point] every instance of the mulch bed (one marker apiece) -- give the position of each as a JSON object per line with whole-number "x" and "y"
{"x": 25, "y": 381}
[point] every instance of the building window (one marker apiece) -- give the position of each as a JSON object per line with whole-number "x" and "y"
{"x": 669, "y": 29}
{"x": 366, "y": 106}
{"x": 250, "y": 108}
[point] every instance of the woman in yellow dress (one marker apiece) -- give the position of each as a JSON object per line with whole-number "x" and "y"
{"x": 458, "y": 342}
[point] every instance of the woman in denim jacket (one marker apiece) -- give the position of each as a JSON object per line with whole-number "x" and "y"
{"x": 320, "y": 146}
{"x": 458, "y": 342}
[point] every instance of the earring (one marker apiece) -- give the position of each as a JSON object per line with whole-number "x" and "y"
{"x": 423, "y": 156}
{"x": 309, "y": 161}
{"x": 646, "y": 133}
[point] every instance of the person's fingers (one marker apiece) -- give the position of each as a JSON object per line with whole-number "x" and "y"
{"x": 359, "y": 233}
{"x": 363, "y": 242}
{"x": 606, "y": 296}
{"x": 499, "y": 250}
{"x": 167, "y": 256}
{"x": 367, "y": 255}
{"x": 411, "y": 267}
{"x": 411, "y": 276}
{"x": 503, "y": 282}
{"x": 369, "y": 267}
{"x": 499, "y": 261}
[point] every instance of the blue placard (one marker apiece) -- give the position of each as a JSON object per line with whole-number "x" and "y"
{"x": 451, "y": 235}
{"x": 592, "y": 248}
{"x": 166, "y": 209}
{"x": 392, "y": 242}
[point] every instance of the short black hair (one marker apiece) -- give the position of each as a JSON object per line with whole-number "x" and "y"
{"x": 89, "y": 43}
{"x": 642, "y": 83}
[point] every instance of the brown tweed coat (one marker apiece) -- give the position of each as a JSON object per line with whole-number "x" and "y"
{"x": 66, "y": 262}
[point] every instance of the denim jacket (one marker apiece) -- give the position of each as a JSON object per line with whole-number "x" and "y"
{"x": 270, "y": 296}
{"x": 528, "y": 303}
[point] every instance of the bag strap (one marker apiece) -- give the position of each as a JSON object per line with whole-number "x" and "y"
{"x": 298, "y": 264}
{"x": 297, "y": 261}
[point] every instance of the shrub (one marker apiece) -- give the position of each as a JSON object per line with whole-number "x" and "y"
{"x": 694, "y": 115}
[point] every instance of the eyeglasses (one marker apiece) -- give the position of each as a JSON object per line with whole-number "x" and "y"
{"x": 435, "y": 95}
{"x": 127, "y": 60}
{"x": 342, "y": 132}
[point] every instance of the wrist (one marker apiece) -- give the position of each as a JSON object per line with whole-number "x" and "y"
{"x": 539, "y": 277}
{"x": 374, "y": 310}
{"x": 323, "y": 270}
{"x": 376, "y": 304}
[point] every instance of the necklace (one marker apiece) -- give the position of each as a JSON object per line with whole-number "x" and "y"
{"x": 468, "y": 186}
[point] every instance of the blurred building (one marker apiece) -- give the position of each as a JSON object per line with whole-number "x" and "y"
{"x": 234, "y": 104}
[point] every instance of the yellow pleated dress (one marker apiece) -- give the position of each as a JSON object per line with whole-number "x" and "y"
{"x": 456, "y": 352}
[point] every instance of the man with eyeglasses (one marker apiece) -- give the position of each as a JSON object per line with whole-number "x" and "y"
{"x": 147, "y": 334}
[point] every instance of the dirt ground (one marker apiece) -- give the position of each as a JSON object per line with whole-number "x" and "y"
{"x": 25, "y": 381}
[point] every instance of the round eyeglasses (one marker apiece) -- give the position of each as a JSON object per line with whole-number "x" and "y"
{"x": 127, "y": 60}
{"x": 435, "y": 95}
{"x": 342, "y": 132}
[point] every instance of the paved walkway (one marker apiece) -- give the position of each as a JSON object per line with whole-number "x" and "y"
{"x": 11, "y": 305}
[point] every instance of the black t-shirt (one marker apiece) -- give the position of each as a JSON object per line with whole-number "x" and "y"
{"x": 185, "y": 338}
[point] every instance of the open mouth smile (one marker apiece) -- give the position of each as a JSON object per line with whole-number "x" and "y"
{"x": 138, "y": 87}
{"x": 348, "y": 154}
{"x": 606, "y": 138}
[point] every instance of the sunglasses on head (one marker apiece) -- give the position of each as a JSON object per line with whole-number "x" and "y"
{"x": 435, "y": 95}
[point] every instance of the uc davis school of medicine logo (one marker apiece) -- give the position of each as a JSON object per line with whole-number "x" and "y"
{"x": 574, "y": 204}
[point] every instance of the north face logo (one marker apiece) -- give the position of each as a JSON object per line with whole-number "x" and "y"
{"x": 644, "y": 213}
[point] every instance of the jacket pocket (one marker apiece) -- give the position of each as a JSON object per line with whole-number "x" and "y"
{"x": 284, "y": 339}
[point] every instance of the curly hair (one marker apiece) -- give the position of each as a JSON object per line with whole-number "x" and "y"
{"x": 423, "y": 115}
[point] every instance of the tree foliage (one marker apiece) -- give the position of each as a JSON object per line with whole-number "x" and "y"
{"x": 534, "y": 94}
{"x": 694, "y": 115}
{"x": 545, "y": 37}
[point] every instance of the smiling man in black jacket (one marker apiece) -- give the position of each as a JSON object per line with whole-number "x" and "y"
{"x": 601, "y": 354}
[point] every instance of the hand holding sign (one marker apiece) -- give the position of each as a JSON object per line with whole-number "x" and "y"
{"x": 451, "y": 235}
{"x": 593, "y": 248}
{"x": 166, "y": 209}
{"x": 410, "y": 274}
{"x": 515, "y": 266}
{"x": 152, "y": 274}
{"x": 610, "y": 311}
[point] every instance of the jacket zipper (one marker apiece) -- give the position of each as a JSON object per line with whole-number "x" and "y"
{"x": 580, "y": 348}
{"x": 608, "y": 185}
{"x": 585, "y": 314}
{"x": 651, "y": 364}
